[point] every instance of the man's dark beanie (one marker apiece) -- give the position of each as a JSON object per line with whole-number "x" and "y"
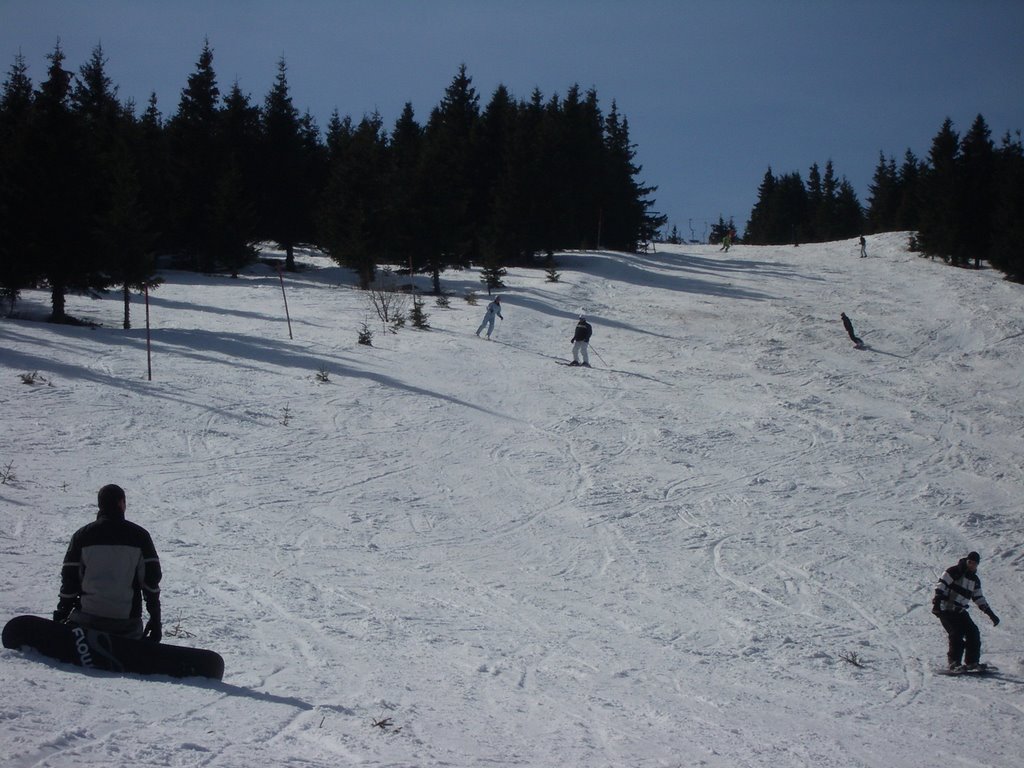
{"x": 974, "y": 556}
{"x": 109, "y": 497}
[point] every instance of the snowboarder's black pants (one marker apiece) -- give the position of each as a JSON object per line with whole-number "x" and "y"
{"x": 963, "y": 636}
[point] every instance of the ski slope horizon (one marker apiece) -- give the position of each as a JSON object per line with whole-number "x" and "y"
{"x": 456, "y": 552}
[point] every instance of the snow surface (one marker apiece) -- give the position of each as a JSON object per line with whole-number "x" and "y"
{"x": 454, "y": 552}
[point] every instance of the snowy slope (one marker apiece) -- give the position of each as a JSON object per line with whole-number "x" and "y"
{"x": 503, "y": 561}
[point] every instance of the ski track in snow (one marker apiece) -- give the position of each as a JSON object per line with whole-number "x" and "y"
{"x": 457, "y": 553}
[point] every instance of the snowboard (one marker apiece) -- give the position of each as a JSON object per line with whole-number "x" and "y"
{"x": 99, "y": 650}
{"x": 981, "y": 671}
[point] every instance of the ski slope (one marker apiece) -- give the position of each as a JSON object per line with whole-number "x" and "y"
{"x": 455, "y": 552}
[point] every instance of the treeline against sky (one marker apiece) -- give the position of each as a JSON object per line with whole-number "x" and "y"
{"x": 965, "y": 202}
{"x": 91, "y": 192}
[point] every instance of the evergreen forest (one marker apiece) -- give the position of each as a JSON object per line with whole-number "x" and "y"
{"x": 965, "y": 202}
{"x": 92, "y": 192}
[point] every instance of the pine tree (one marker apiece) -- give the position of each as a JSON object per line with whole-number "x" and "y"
{"x": 908, "y": 215}
{"x": 16, "y": 267}
{"x": 354, "y": 217}
{"x": 110, "y": 188}
{"x": 627, "y": 215}
{"x": 939, "y": 196}
{"x": 233, "y": 211}
{"x": 815, "y": 204}
{"x": 58, "y": 210}
{"x": 123, "y": 231}
{"x": 848, "y": 214}
{"x": 760, "y": 223}
{"x": 284, "y": 205}
{"x": 885, "y": 196}
{"x": 1007, "y": 246}
{"x": 975, "y": 193}
{"x": 405, "y": 192}
{"x": 494, "y": 189}
{"x": 447, "y": 161}
{"x": 196, "y": 152}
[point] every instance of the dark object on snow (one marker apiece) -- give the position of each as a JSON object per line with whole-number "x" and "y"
{"x": 92, "y": 649}
{"x": 849, "y": 329}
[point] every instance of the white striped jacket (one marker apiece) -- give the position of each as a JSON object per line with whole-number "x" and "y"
{"x": 957, "y": 588}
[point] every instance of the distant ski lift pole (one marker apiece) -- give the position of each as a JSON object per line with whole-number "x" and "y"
{"x": 280, "y": 274}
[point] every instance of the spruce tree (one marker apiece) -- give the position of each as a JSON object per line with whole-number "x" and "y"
{"x": 761, "y": 215}
{"x": 447, "y": 162}
{"x": 123, "y": 231}
{"x": 16, "y": 267}
{"x": 975, "y": 193}
{"x": 908, "y": 212}
{"x": 495, "y": 192}
{"x": 284, "y": 200}
{"x": 354, "y": 218}
{"x": 58, "y": 212}
{"x": 627, "y": 215}
{"x": 939, "y": 194}
{"x": 196, "y": 152}
{"x": 1007, "y": 245}
{"x": 406, "y": 192}
{"x": 885, "y": 196}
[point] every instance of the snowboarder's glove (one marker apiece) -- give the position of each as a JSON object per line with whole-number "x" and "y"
{"x": 993, "y": 617}
{"x": 64, "y": 608}
{"x": 153, "y": 631}
{"x": 935, "y": 607}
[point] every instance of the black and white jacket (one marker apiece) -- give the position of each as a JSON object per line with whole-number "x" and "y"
{"x": 110, "y": 566}
{"x": 957, "y": 588}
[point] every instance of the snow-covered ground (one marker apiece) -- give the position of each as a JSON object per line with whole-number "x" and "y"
{"x": 456, "y": 552}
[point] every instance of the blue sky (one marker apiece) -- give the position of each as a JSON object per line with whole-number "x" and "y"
{"x": 714, "y": 91}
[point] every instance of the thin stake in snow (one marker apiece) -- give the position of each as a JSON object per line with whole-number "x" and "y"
{"x": 280, "y": 274}
{"x": 149, "y": 353}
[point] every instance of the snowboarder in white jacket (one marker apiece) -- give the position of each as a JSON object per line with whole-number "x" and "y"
{"x": 493, "y": 309}
{"x": 958, "y": 586}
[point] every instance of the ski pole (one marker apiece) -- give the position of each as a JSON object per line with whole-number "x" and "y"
{"x": 598, "y": 354}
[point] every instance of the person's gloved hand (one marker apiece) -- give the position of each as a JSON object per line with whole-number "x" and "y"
{"x": 995, "y": 619}
{"x": 153, "y": 631}
{"x": 64, "y": 608}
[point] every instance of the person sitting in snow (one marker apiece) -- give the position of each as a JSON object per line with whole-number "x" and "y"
{"x": 958, "y": 586}
{"x": 111, "y": 566}
{"x": 493, "y": 309}
{"x": 581, "y": 342}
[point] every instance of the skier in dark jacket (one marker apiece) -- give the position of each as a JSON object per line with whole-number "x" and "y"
{"x": 581, "y": 343}
{"x": 958, "y": 586}
{"x": 110, "y": 568}
{"x": 849, "y": 329}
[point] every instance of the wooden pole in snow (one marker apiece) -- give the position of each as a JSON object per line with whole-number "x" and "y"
{"x": 149, "y": 354}
{"x": 280, "y": 274}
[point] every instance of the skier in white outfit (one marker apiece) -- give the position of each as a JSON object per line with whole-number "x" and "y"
{"x": 494, "y": 308}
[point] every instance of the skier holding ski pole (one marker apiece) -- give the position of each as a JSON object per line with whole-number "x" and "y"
{"x": 580, "y": 341}
{"x": 598, "y": 355}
